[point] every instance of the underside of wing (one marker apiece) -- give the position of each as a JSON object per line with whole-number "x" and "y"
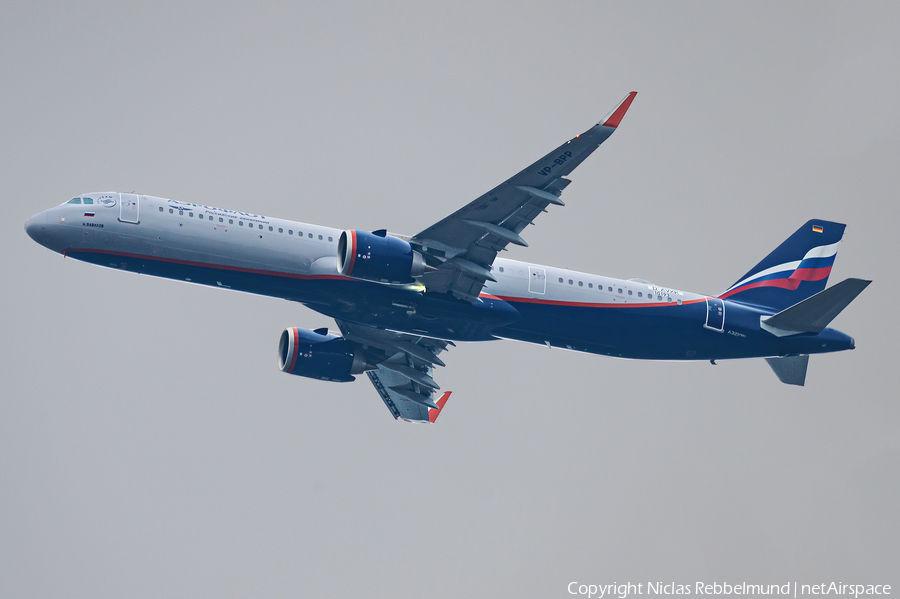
{"x": 461, "y": 248}
{"x": 401, "y": 368}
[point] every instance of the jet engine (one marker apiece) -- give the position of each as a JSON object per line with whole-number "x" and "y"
{"x": 377, "y": 256}
{"x": 319, "y": 355}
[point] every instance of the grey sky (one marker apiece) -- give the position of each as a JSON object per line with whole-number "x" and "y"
{"x": 150, "y": 447}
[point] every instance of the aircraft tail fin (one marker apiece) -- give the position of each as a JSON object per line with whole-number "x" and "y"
{"x": 790, "y": 370}
{"x": 815, "y": 313}
{"x": 796, "y": 270}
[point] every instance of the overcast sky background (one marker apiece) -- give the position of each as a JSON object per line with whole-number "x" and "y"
{"x": 149, "y": 446}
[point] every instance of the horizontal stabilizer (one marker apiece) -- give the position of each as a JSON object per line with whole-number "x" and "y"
{"x": 791, "y": 369}
{"x": 813, "y": 314}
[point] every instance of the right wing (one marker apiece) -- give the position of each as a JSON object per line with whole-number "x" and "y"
{"x": 462, "y": 246}
{"x": 401, "y": 366}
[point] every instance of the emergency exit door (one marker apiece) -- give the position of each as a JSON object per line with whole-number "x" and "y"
{"x": 537, "y": 280}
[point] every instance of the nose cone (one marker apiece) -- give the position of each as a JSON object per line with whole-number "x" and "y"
{"x": 39, "y": 227}
{"x": 32, "y": 227}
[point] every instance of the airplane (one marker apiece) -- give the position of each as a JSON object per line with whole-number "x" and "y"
{"x": 399, "y": 301}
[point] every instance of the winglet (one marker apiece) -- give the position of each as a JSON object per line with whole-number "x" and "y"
{"x": 615, "y": 117}
{"x": 432, "y": 413}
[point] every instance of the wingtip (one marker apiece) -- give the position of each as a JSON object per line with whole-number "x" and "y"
{"x": 432, "y": 413}
{"x": 615, "y": 116}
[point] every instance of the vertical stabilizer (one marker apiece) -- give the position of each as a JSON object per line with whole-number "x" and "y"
{"x": 795, "y": 270}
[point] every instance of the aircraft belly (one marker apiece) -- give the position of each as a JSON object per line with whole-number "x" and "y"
{"x": 440, "y": 316}
{"x": 667, "y": 332}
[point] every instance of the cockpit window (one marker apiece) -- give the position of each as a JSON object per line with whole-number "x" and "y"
{"x": 74, "y": 201}
{"x": 88, "y": 200}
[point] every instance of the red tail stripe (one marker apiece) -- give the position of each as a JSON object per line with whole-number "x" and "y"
{"x": 791, "y": 283}
{"x": 812, "y": 274}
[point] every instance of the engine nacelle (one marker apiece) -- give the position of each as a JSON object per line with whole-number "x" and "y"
{"x": 377, "y": 256}
{"x": 318, "y": 355}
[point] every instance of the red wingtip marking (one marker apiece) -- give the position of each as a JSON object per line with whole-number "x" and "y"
{"x": 432, "y": 413}
{"x": 615, "y": 117}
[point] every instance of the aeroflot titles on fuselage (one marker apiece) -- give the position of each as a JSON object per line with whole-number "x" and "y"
{"x": 215, "y": 211}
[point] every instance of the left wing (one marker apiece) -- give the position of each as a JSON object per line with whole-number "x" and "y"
{"x": 400, "y": 368}
{"x": 462, "y": 246}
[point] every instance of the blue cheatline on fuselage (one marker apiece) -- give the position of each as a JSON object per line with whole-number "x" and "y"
{"x": 400, "y": 301}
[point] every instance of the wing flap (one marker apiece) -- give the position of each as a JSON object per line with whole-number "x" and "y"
{"x": 402, "y": 371}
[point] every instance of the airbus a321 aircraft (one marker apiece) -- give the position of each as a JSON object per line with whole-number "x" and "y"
{"x": 400, "y": 301}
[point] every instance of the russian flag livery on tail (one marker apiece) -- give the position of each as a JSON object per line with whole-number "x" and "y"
{"x": 794, "y": 271}
{"x": 400, "y": 301}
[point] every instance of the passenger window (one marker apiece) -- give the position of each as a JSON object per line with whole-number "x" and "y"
{"x": 590, "y": 285}
{"x": 270, "y": 228}
{"x": 230, "y": 221}
{"x": 330, "y": 239}
{"x": 610, "y": 288}
{"x": 640, "y": 294}
{"x": 221, "y": 220}
{"x": 170, "y": 210}
{"x": 580, "y": 284}
{"x": 280, "y": 230}
{"x": 629, "y": 292}
{"x": 241, "y": 223}
{"x": 570, "y": 281}
{"x": 619, "y": 290}
{"x": 310, "y": 235}
{"x": 501, "y": 269}
{"x": 160, "y": 209}
{"x": 181, "y": 212}
{"x": 260, "y": 226}
{"x": 560, "y": 280}
{"x": 74, "y": 201}
{"x": 210, "y": 218}
{"x": 320, "y": 237}
{"x": 191, "y": 214}
{"x": 290, "y": 231}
